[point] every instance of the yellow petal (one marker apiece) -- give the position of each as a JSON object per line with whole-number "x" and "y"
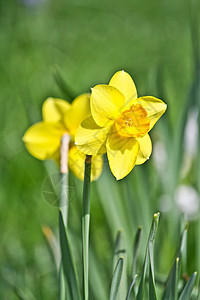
{"x": 125, "y": 84}
{"x": 77, "y": 164}
{"x": 80, "y": 110}
{"x": 122, "y": 154}
{"x": 145, "y": 149}
{"x": 42, "y": 139}
{"x": 90, "y": 138}
{"x": 155, "y": 108}
{"x": 106, "y": 103}
{"x": 54, "y": 109}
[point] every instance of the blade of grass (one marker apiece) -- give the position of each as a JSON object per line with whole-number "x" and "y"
{"x": 198, "y": 294}
{"x": 67, "y": 262}
{"x": 116, "y": 280}
{"x": 62, "y": 84}
{"x": 177, "y": 274}
{"x": 152, "y": 289}
{"x": 23, "y": 295}
{"x": 136, "y": 249}
{"x": 171, "y": 287}
{"x": 118, "y": 249}
{"x": 53, "y": 246}
{"x": 61, "y": 284}
{"x": 85, "y": 225}
{"x": 131, "y": 286}
{"x": 187, "y": 291}
{"x": 149, "y": 254}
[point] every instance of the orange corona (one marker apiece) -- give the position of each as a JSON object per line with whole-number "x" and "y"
{"x": 133, "y": 122}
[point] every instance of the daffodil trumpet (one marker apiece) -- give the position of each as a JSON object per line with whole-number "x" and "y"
{"x": 119, "y": 124}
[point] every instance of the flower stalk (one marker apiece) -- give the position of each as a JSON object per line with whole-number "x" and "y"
{"x": 63, "y": 206}
{"x": 64, "y": 176}
{"x": 85, "y": 225}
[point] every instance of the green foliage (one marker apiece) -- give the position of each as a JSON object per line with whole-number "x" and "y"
{"x": 67, "y": 262}
{"x": 116, "y": 279}
{"x": 61, "y": 50}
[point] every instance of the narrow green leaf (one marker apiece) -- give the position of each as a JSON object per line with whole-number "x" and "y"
{"x": 171, "y": 289}
{"x": 152, "y": 289}
{"x": 136, "y": 249}
{"x": 62, "y": 84}
{"x": 61, "y": 284}
{"x": 171, "y": 285}
{"x": 198, "y": 294}
{"x": 185, "y": 295}
{"x": 175, "y": 285}
{"x": 118, "y": 249}
{"x": 149, "y": 254}
{"x": 23, "y": 293}
{"x": 131, "y": 286}
{"x": 116, "y": 280}
{"x": 22, "y": 297}
{"x": 67, "y": 262}
{"x": 183, "y": 240}
{"x": 19, "y": 296}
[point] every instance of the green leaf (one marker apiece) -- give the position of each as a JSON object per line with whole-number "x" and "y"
{"x": 136, "y": 249}
{"x": 185, "y": 295}
{"x": 171, "y": 290}
{"x": 61, "y": 284}
{"x": 149, "y": 255}
{"x": 116, "y": 280}
{"x": 172, "y": 281}
{"x": 67, "y": 262}
{"x": 152, "y": 289}
{"x": 131, "y": 286}
{"x": 118, "y": 249}
{"x": 198, "y": 294}
{"x": 62, "y": 84}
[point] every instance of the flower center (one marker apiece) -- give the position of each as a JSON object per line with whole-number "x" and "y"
{"x": 133, "y": 122}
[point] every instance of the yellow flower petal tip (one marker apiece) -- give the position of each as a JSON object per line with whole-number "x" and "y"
{"x": 43, "y": 139}
{"x": 119, "y": 124}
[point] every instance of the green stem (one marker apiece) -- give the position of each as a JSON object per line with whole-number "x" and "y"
{"x": 85, "y": 225}
{"x": 63, "y": 200}
{"x": 64, "y": 197}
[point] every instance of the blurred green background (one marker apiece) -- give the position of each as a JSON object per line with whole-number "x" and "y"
{"x": 61, "y": 49}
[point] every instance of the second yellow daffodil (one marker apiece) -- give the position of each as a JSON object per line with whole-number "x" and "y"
{"x": 43, "y": 139}
{"x": 119, "y": 124}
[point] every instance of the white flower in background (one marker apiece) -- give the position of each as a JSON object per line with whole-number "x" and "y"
{"x": 187, "y": 200}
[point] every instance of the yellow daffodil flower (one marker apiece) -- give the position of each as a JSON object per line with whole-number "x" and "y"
{"x": 119, "y": 124}
{"x": 43, "y": 139}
